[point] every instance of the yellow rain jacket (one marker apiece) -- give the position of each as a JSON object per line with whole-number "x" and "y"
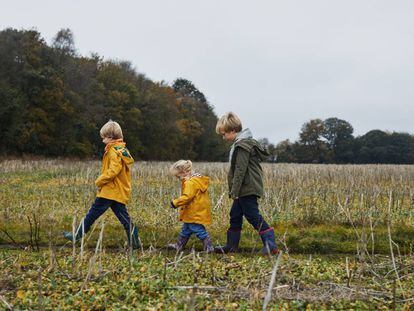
{"x": 194, "y": 202}
{"x": 114, "y": 183}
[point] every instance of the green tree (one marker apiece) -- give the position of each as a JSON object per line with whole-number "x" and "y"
{"x": 381, "y": 147}
{"x": 285, "y": 152}
{"x": 372, "y": 147}
{"x": 19, "y": 57}
{"x": 339, "y": 139}
{"x": 313, "y": 148}
{"x": 186, "y": 88}
{"x": 64, "y": 41}
{"x": 160, "y": 136}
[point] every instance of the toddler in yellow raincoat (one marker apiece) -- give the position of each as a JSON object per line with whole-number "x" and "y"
{"x": 194, "y": 205}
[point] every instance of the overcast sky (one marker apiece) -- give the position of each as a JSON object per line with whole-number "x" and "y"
{"x": 276, "y": 63}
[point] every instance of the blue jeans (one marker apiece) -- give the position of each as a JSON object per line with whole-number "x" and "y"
{"x": 189, "y": 228}
{"x": 100, "y": 206}
{"x": 248, "y": 207}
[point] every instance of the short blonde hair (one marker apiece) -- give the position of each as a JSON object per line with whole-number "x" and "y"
{"x": 229, "y": 122}
{"x": 111, "y": 129}
{"x": 181, "y": 166}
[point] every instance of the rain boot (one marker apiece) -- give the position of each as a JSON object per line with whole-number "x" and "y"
{"x": 207, "y": 245}
{"x": 232, "y": 244}
{"x": 269, "y": 244}
{"x": 78, "y": 235}
{"x": 181, "y": 242}
{"x": 135, "y": 240}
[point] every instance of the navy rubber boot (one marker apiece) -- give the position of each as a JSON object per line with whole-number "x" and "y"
{"x": 232, "y": 244}
{"x": 269, "y": 243}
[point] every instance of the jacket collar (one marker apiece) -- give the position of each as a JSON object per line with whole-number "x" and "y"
{"x": 114, "y": 142}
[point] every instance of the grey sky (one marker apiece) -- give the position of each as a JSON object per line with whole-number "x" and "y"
{"x": 276, "y": 63}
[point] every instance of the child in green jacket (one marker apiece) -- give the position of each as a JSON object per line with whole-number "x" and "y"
{"x": 245, "y": 181}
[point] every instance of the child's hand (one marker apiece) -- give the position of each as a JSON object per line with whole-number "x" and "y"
{"x": 231, "y": 196}
{"x": 172, "y": 205}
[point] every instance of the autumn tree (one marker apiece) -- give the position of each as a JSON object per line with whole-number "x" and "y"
{"x": 198, "y": 123}
{"x": 53, "y": 103}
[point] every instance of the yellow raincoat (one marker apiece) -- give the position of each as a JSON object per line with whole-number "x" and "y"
{"x": 194, "y": 202}
{"x": 114, "y": 183}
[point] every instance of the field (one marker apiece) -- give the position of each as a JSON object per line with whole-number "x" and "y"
{"x": 347, "y": 235}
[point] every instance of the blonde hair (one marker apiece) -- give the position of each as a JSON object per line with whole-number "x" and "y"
{"x": 181, "y": 166}
{"x": 111, "y": 129}
{"x": 229, "y": 122}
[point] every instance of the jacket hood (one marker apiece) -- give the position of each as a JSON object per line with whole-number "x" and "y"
{"x": 201, "y": 182}
{"x": 250, "y": 143}
{"x": 121, "y": 149}
{"x": 244, "y": 134}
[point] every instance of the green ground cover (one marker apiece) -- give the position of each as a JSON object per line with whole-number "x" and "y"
{"x": 324, "y": 217}
{"x": 155, "y": 280}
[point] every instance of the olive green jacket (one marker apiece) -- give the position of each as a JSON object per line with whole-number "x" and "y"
{"x": 246, "y": 175}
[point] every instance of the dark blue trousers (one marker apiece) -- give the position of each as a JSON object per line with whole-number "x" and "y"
{"x": 248, "y": 207}
{"x": 100, "y": 206}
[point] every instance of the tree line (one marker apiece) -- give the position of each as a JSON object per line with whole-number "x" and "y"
{"x": 54, "y": 101}
{"x": 332, "y": 141}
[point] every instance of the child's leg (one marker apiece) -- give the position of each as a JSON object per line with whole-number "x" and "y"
{"x": 183, "y": 238}
{"x": 236, "y": 216}
{"x": 199, "y": 230}
{"x": 121, "y": 213}
{"x": 234, "y": 232}
{"x": 201, "y": 233}
{"x": 186, "y": 231}
{"x": 97, "y": 209}
{"x": 250, "y": 209}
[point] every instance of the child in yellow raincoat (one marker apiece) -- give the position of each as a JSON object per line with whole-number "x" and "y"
{"x": 114, "y": 185}
{"x": 194, "y": 205}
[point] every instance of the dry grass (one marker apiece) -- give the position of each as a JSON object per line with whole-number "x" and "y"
{"x": 361, "y": 210}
